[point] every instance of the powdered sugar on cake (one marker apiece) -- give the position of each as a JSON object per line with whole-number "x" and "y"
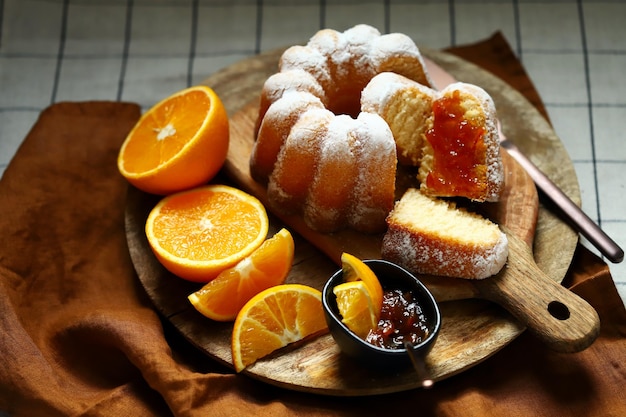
{"x": 431, "y": 236}
{"x": 335, "y": 67}
{"x": 338, "y": 117}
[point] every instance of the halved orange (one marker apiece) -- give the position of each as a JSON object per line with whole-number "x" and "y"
{"x": 273, "y": 319}
{"x": 179, "y": 143}
{"x": 356, "y": 307}
{"x": 355, "y": 269}
{"x": 269, "y": 265}
{"x": 196, "y": 234}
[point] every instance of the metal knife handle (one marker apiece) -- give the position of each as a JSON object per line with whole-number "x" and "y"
{"x": 579, "y": 219}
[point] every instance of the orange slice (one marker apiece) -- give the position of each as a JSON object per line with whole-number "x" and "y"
{"x": 356, "y": 307}
{"x": 355, "y": 269}
{"x": 196, "y": 234}
{"x": 269, "y": 265}
{"x": 178, "y": 144}
{"x": 273, "y": 319}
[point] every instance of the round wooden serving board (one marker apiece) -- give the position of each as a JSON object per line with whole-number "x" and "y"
{"x": 472, "y": 329}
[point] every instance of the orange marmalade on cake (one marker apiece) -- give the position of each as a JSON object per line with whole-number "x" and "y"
{"x": 455, "y": 173}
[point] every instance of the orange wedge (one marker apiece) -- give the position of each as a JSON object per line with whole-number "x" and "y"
{"x": 269, "y": 265}
{"x": 355, "y": 269}
{"x": 356, "y": 307}
{"x": 180, "y": 143}
{"x": 197, "y": 234}
{"x": 273, "y": 319}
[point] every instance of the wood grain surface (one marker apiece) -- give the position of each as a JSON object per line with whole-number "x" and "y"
{"x": 472, "y": 329}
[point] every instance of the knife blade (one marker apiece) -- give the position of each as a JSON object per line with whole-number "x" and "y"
{"x": 577, "y": 217}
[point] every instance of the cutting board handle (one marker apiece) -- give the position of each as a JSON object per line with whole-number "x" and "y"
{"x": 557, "y": 316}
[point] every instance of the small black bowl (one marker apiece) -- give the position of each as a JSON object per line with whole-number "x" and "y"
{"x": 391, "y": 276}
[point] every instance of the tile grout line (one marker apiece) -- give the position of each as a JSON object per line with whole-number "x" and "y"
{"x": 85, "y": 56}
{"x": 451, "y": 17}
{"x": 60, "y": 52}
{"x": 583, "y": 39}
{"x": 125, "y": 51}
{"x": 387, "y": 15}
{"x": 518, "y": 29}
{"x": 259, "y": 26}
{"x": 2, "y": 14}
{"x": 193, "y": 42}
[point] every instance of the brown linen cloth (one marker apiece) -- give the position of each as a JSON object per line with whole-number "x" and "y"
{"x": 79, "y": 336}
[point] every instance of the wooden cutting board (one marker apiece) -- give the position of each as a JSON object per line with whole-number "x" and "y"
{"x": 472, "y": 329}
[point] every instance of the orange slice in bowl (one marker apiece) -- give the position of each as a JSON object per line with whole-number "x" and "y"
{"x": 197, "y": 234}
{"x": 273, "y": 319}
{"x": 355, "y": 269}
{"x": 356, "y": 307}
{"x": 179, "y": 143}
{"x": 269, "y": 265}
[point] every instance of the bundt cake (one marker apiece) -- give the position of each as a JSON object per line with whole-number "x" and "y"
{"x": 407, "y": 107}
{"x": 450, "y": 134}
{"x": 280, "y": 117}
{"x": 427, "y": 235}
{"x": 316, "y": 83}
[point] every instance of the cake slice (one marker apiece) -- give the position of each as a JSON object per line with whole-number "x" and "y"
{"x": 452, "y": 134}
{"x": 433, "y": 236}
{"x": 406, "y": 106}
{"x": 461, "y": 155}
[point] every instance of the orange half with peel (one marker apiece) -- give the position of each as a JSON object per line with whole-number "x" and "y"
{"x": 179, "y": 143}
{"x": 197, "y": 234}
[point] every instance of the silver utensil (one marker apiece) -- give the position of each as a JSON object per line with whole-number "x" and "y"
{"x": 418, "y": 365}
{"x": 578, "y": 219}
